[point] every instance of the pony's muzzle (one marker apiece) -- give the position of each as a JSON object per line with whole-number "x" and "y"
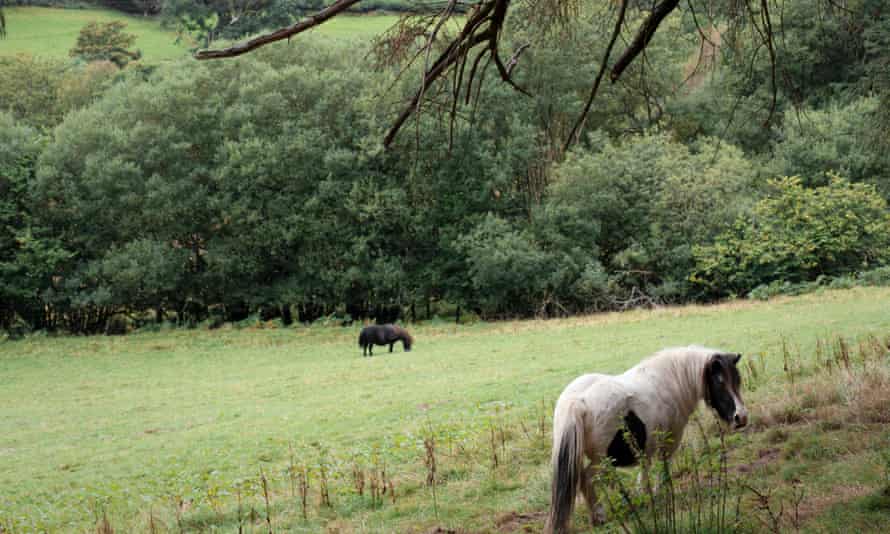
{"x": 740, "y": 420}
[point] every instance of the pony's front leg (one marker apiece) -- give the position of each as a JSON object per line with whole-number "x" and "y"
{"x": 597, "y": 512}
{"x": 390, "y": 346}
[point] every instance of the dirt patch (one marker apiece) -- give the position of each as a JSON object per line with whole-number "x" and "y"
{"x": 815, "y": 505}
{"x": 441, "y": 530}
{"x": 520, "y": 522}
{"x": 764, "y": 457}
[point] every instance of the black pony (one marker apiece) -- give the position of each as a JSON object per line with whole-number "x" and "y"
{"x": 386, "y": 334}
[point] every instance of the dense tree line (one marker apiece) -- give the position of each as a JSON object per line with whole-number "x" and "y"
{"x": 210, "y": 191}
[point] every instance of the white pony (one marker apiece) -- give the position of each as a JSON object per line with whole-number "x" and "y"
{"x": 655, "y": 398}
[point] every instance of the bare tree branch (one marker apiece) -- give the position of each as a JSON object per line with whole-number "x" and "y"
{"x": 445, "y": 60}
{"x": 489, "y": 15}
{"x": 576, "y": 130}
{"x": 768, "y": 29}
{"x": 515, "y": 59}
{"x": 644, "y": 35}
{"x": 483, "y": 26}
{"x": 278, "y": 35}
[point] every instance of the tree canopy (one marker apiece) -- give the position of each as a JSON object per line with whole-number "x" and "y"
{"x": 487, "y": 25}
{"x": 208, "y": 191}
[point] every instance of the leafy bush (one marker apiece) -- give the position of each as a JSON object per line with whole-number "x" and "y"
{"x": 816, "y": 142}
{"x": 647, "y": 200}
{"x": 875, "y": 277}
{"x": 796, "y": 234}
{"x": 781, "y": 287}
{"x": 105, "y": 41}
{"x": 505, "y": 267}
{"x": 63, "y": 87}
{"x": 843, "y": 282}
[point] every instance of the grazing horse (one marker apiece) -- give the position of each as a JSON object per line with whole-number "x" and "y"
{"x": 596, "y": 414}
{"x": 386, "y": 334}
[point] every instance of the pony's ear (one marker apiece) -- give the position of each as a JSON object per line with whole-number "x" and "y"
{"x": 736, "y": 357}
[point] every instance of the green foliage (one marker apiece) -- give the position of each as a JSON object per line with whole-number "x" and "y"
{"x": 781, "y": 287}
{"x": 875, "y": 277}
{"x": 29, "y": 258}
{"x": 140, "y": 274}
{"x": 833, "y": 139}
{"x": 652, "y": 200}
{"x": 18, "y": 152}
{"x": 105, "y": 41}
{"x": 824, "y": 60}
{"x": 796, "y": 234}
{"x": 186, "y": 172}
{"x": 205, "y": 21}
{"x": 20, "y": 75}
{"x": 505, "y": 267}
{"x": 139, "y": 7}
{"x": 885, "y": 466}
{"x": 231, "y": 187}
{"x": 62, "y": 87}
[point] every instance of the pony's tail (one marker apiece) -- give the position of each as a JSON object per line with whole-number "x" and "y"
{"x": 567, "y": 459}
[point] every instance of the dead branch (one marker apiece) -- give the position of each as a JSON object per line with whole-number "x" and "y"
{"x": 576, "y": 130}
{"x": 299, "y": 27}
{"x": 644, "y": 35}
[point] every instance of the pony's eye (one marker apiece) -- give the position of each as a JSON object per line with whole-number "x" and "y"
{"x": 720, "y": 379}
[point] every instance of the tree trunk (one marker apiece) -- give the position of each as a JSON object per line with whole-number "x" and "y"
{"x": 286, "y": 318}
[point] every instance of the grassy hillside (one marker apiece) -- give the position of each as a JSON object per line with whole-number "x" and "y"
{"x": 52, "y": 32}
{"x": 155, "y": 426}
{"x": 125, "y": 424}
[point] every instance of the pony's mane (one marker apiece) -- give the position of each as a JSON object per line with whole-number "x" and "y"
{"x": 680, "y": 369}
{"x": 683, "y": 353}
{"x": 672, "y": 358}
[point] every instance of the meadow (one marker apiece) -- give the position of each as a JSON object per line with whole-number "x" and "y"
{"x": 50, "y": 32}
{"x": 197, "y": 430}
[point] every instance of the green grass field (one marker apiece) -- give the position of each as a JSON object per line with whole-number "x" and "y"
{"x": 124, "y": 424}
{"x": 52, "y": 32}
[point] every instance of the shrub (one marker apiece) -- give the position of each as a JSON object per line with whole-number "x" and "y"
{"x": 832, "y": 139}
{"x": 105, "y": 41}
{"x": 504, "y": 267}
{"x": 781, "y": 287}
{"x": 796, "y": 234}
{"x": 641, "y": 203}
{"x": 875, "y": 277}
